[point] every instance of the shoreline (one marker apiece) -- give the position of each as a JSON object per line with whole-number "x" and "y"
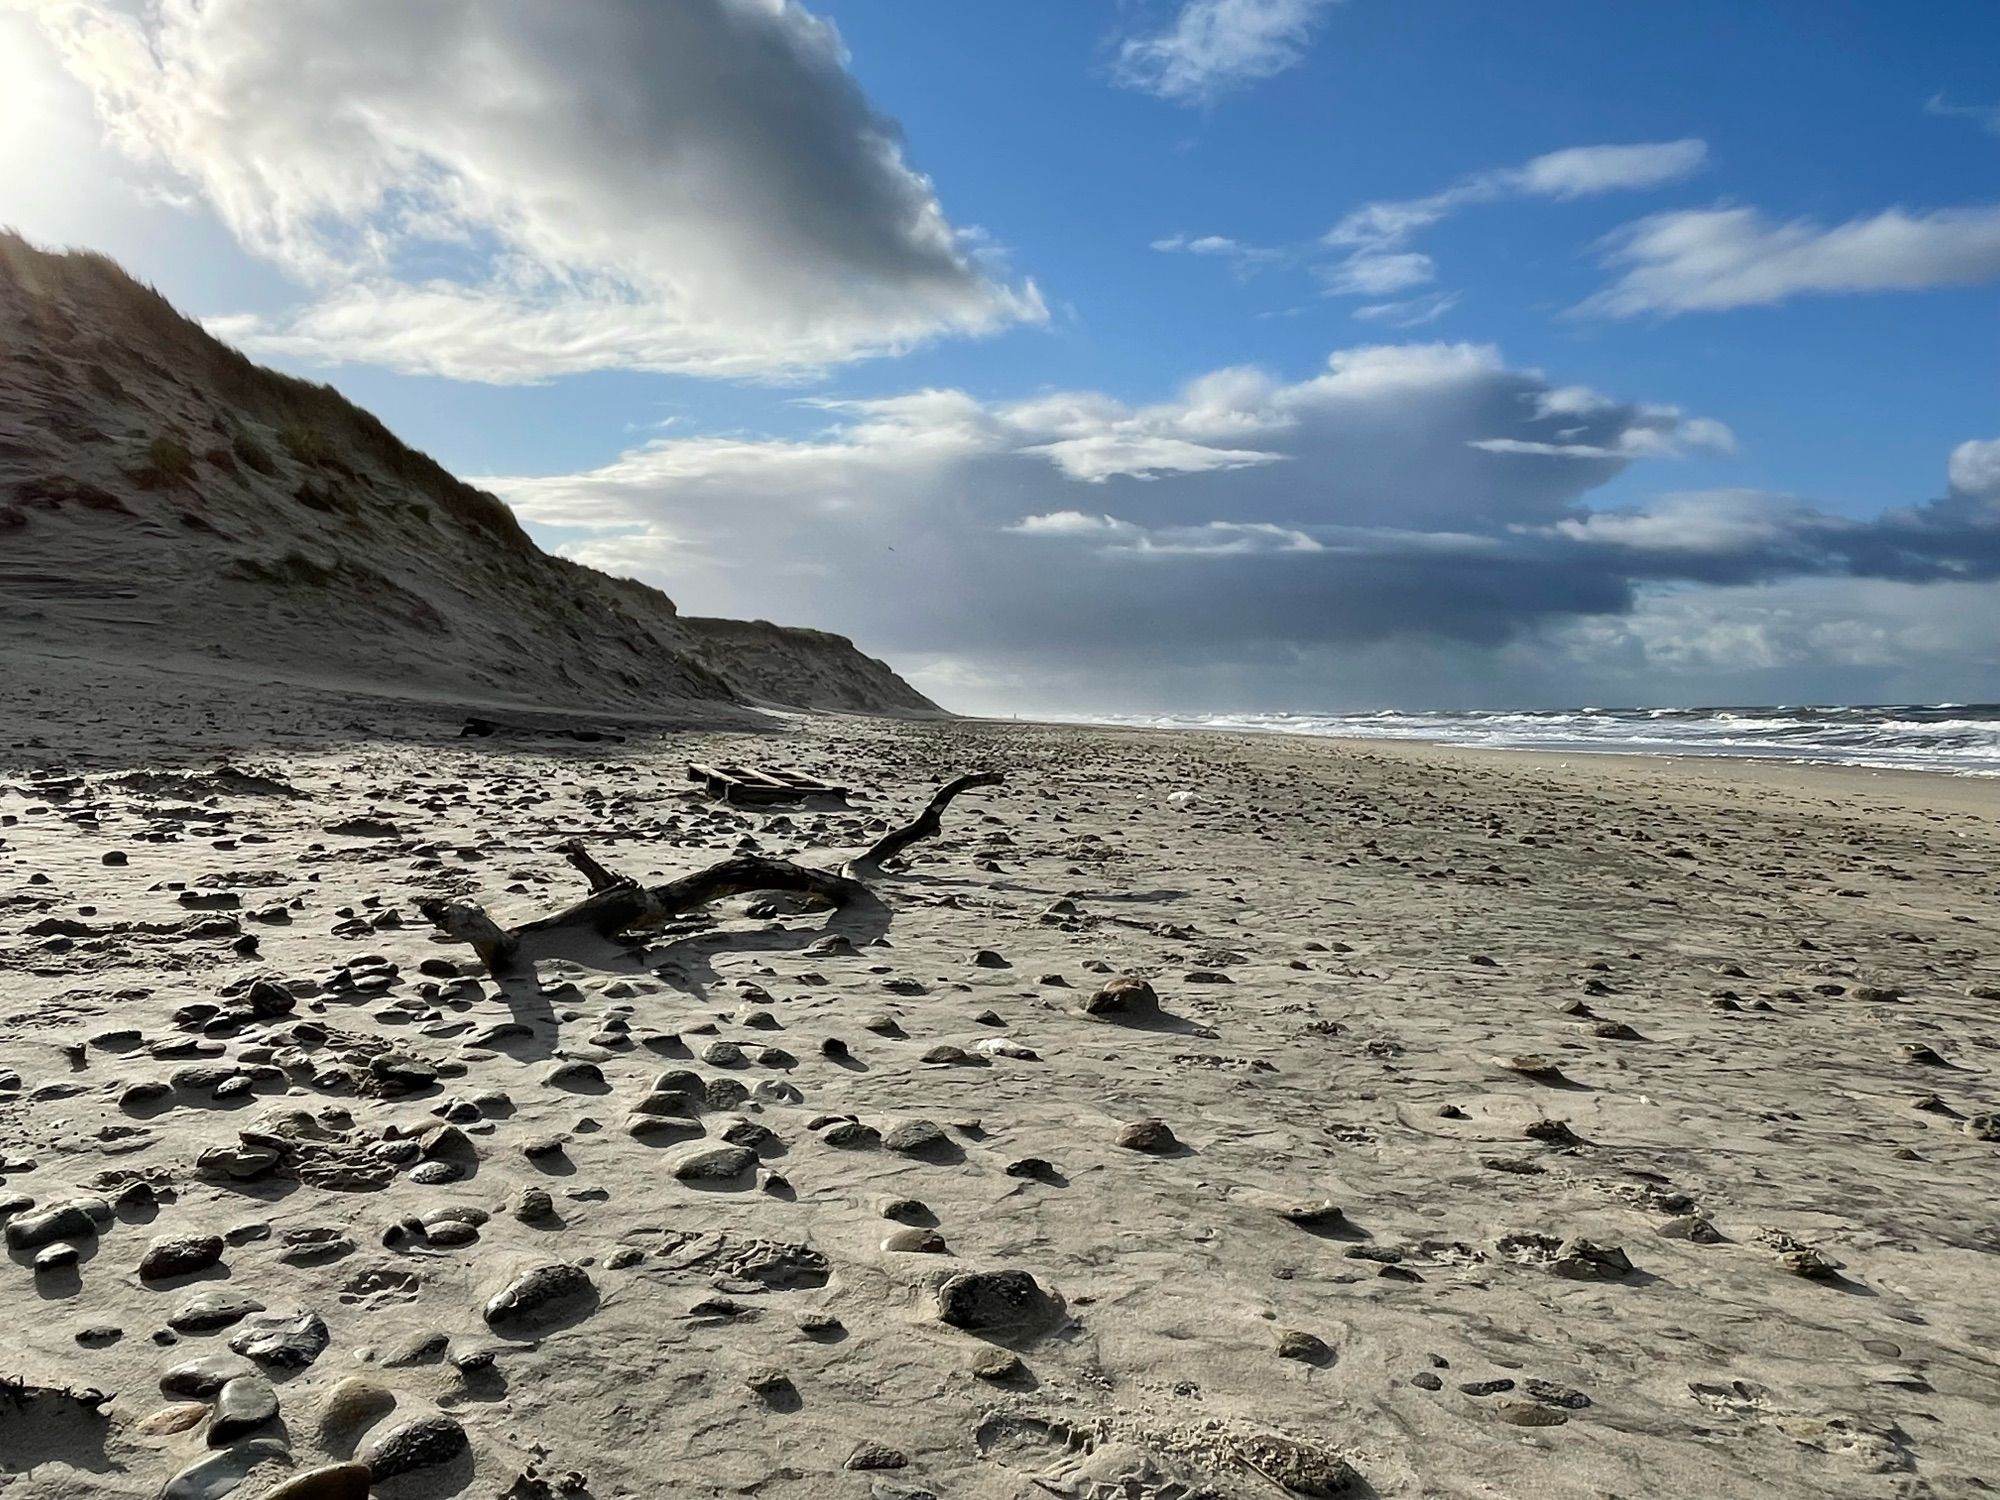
{"x": 1977, "y": 793}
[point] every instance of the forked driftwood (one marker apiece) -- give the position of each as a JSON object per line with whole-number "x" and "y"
{"x": 618, "y": 904}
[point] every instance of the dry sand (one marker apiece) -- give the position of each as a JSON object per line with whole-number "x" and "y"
{"x": 1734, "y": 1235}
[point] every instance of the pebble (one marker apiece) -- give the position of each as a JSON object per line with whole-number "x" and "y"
{"x": 1308, "y": 1348}
{"x": 241, "y": 1407}
{"x": 714, "y": 1163}
{"x": 207, "y": 1311}
{"x": 288, "y": 1343}
{"x": 976, "y": 1300}
{"x": 420, "y": 1443}
{"x": 184, "y": 1255}
{"x": 353, "y": 1404}
{"x": 218, "y": 1474}
{"x": 552, "y": 1292}
{"x": 205, "y": 1376}
{"x": 1152, "y": 1136}
{"x": 915, "y": 1138}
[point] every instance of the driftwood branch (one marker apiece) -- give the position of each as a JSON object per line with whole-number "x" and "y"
{"x": 617, "y": 904}
{"x": 926, "y": 824}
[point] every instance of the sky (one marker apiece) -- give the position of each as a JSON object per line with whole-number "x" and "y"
{"x": 1129, "y": 355}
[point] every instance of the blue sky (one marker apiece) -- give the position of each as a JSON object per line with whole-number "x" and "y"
{"x": 1765, "y": 237}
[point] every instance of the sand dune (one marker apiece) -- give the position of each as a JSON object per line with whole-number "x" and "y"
{"x": 162, "y": 499}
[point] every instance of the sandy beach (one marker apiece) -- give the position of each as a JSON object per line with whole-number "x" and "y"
{"x": 1528, "y": 1125}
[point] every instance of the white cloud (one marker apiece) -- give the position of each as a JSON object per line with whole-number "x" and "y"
{"x": 1575, "y": 172}
{"x": 1213, "y": 46}
{"x": 1725, "y": 521}
{"x": 1414, "y": 313}
{"x": 1702, "y": 260}
{"x": 1985, "y": 116}
{"x": 1974, "y": 469}
{"x": 1243, "y": 259}
{"x": 498, "y": 190}
{"x": 1368, "y": 274}
{"x": 1377, "y": 235}
{"x": 997, "y": 533}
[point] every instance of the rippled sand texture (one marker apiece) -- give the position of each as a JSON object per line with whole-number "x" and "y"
{"x": 1525, "y": 1128}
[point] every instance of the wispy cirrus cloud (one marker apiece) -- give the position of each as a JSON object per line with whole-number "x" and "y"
{"x": 1707, "y": 260}
{"x": 1214, "y": 46}
{"x": 1244, "y": 259}
{"x": 1985, "y": 116}
{"x": 506, "y": 192}
{"x": 1377, "y": 236}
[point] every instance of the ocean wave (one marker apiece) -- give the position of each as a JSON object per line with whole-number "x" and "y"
{"x": 1962, "y": 738}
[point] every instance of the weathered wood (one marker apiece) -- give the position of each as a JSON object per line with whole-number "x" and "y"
{"x": 617, "y": 904}
{"x": 926, "y": 824}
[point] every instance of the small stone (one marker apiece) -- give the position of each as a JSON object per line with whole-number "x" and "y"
{"x": 1486, "y": 1387}
{"x": 1308, "y": 1348}
{"x": 182, "y": 1256}
{"x": 552, "y": 1292}
{"x": 77, "y": 1219}
{"x": 207, "y": 1311}
{"x": 1151, "y": 1136}
{"x": 1530, "y": 1414}
{"x": 1552, "y": 1394}
{"x": 1693, "y": 1228}
{"x": 1585, "y": 1260}
{"x": 876, "y": 1456}
{"x": 286, "y": 1343}
{"x": 1424, "y": 1380}
{"x": 999, "y": 1366}
{"x": 329, "y": 1482}
{"x": 915, "y": 1241}
{"x": 715, "y": 1163}
{"x": 203, "y": 1377}
{"x": 241, "y": 1407}
{"x": 1810, "y": 1264}
{"x": 421, "y": 1443}
{"x": 915, "y": 1138}
{"x": 1123, "y": 997}
{"x": 976, "y": 1300}
{"x": 217, "y": 1475}
{"x": 171, "y": 1419}
{"x": 353, "y": 1404}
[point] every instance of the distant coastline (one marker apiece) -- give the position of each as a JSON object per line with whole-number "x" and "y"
{"x": 1955, "y": 738}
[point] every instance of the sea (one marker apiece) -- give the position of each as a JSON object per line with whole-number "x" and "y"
{"x": 1960, "y": 738}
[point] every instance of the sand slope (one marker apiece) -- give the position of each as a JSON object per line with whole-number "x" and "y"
{"x": 163, "y": 499}
{"x": 1763, "y": 999}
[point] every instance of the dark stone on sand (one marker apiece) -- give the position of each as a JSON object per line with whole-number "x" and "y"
{"x": 548, "y": 1293}
{"x": 284, "y": 1343}
{"x": 1308, "y": 1348}
{"x": 421, "y": 1443}
{"x": 876, "y": 1456}
{"x": 241, "y": 1407}
{"x": 183, "y": 1255}
{"x": 1585, "y": 1260}
{"x": 207, "y": 1311}
{"x": 721, "y": 1163}
{"x": 980, "y": 1300}
{"x": 1151, "y": 1136}
{"x": 1123, "y": 997}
